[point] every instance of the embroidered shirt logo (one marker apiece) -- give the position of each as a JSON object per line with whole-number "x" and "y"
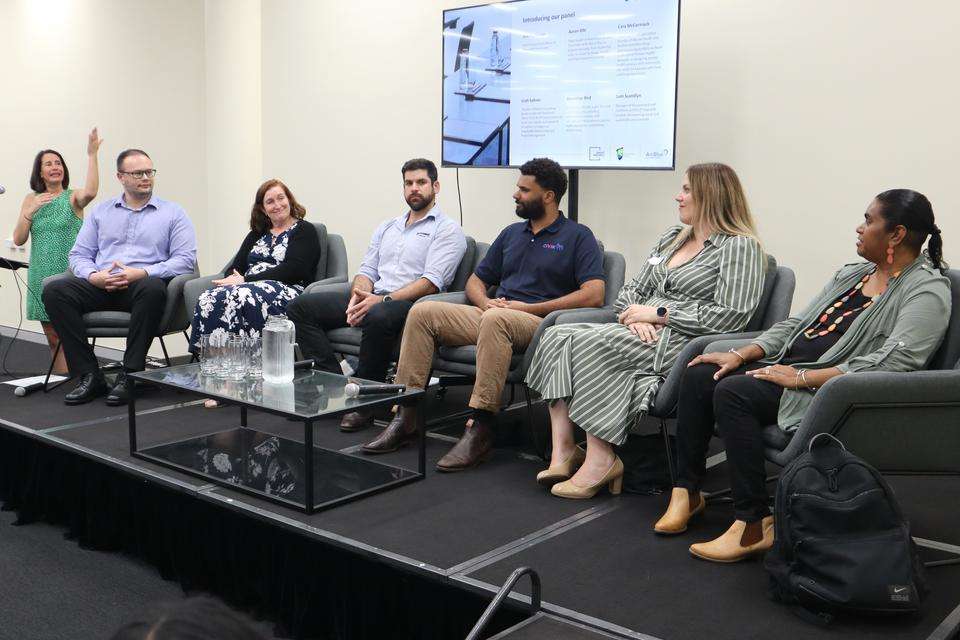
{"x": 553, "y": 246}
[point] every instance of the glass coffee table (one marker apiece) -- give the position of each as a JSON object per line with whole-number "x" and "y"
{"x": 273, "y": 467}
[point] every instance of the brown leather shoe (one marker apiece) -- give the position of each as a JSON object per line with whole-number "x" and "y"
{"x": 471, "y": 449}
{"x": 401, "y": 430}
{"x": 356, "y": 420}
{"x": 740, "y": 541}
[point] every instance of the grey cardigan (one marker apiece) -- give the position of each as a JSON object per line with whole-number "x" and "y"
{"x": 900, "y": 332}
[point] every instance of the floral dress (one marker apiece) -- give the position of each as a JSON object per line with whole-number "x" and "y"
{"x": 243, "y": 308}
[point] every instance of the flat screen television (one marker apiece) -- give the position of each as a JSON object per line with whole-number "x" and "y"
{"x": 589, "y": 83}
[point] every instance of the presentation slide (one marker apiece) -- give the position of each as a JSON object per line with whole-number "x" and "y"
{"x": 589, "y": 83}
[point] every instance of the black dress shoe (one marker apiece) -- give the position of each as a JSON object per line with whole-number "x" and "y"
{"x": 92, "y": 385}
{"x": 401, "y": 430}
{"x": 120, "y": 394}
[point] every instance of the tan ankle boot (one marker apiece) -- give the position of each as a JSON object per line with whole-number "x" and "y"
{"x": 740, "y": 541}
{"x": 679, "y": 512}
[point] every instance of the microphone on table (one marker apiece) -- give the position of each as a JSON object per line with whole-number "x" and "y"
{"x": 352, "y": 389}
{"x": 28, "y": 388}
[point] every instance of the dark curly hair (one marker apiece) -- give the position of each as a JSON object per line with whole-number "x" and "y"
{"x": 36, "y": 181}
{"x": 548, "y": 174}
{"x": 420, "y": 163}
{"x": 912, "y": 210}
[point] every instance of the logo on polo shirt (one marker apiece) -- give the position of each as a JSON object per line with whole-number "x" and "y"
{"x": 553, "y": 246}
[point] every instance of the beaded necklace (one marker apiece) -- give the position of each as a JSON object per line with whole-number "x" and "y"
{"x": 817, "y": 331}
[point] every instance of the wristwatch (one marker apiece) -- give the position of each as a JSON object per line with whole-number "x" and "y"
{"x": 387, "y": 297}
{"x": 661, "y": 312}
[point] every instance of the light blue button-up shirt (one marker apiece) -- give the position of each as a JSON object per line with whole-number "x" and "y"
{"x": 158, "y": 238}
{"x": 398, "y": 254}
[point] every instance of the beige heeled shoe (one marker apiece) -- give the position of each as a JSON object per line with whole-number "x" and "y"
{"x": 679, "y": 512}
{"x": 563, "y": 471}
{"x": 613, "y": 478}
{"x": 740, "y": 541}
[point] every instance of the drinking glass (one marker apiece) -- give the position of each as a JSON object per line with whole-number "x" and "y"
{"x": 208, "y": 362}
{"x": 237, "y": 358}
{"x": 254, "y": 357}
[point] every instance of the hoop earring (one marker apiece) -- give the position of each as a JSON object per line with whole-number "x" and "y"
{"x": 890, "y": 254}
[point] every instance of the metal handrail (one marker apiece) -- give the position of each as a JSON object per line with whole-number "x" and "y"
{"x": 503, "y": 594}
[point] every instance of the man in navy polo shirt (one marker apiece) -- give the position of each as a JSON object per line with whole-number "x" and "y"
{"x": 541, "y": 265}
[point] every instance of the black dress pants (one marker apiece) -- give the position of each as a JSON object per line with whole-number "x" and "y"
{"x": 314, "y": 314}
{"x": 67, "y": 300}
{"x": 741, "y": 406}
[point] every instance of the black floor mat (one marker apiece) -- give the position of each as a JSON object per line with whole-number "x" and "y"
{"x": 616, "y": 569}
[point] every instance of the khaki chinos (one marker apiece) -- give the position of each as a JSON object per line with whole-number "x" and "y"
{"x": 497, "y": 332}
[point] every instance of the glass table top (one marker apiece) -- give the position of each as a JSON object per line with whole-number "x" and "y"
{"x": 312, "y": 393}
{"x": 274, "y": 467}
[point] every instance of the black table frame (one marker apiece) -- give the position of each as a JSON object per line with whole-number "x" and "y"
{"x": 308, "y": 507}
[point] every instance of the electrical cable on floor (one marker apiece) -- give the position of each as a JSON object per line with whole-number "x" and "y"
{"x": 459, "y": 199}
{"x": 17, "y": 280}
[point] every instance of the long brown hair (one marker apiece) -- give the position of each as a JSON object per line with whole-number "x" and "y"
{"x": 259, "y": 222}
{"x": 719, "y": 196}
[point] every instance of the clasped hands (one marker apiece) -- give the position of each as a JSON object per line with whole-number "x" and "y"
{"x": 642, "y": 320}
{"x": 116, "y": 277}
{"x": 233, "y": 278}
{"x": 360, "y": 304}
{"x": 503, "y": 303}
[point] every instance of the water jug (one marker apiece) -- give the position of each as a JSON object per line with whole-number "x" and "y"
{"x": 278, "y": 339}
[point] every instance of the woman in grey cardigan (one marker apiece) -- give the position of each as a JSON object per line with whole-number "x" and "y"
{"x": 889, "y": 313}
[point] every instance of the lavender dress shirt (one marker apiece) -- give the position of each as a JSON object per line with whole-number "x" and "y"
{"x": 430, "y": 248}
{"x": 158, "y": 238}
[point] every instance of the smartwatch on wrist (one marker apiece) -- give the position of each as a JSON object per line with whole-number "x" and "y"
{"x": 387, "y": 297}
{"x": 661, "y": 312}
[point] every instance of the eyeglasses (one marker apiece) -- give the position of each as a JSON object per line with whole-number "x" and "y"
{"x": 139, "y": 175}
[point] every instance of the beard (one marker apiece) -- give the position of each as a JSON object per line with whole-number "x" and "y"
{"x": 421, "y": 204}
{"x": 531, "y": 210}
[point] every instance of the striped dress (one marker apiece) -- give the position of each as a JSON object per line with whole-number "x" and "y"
{"x": 609, "y": 376}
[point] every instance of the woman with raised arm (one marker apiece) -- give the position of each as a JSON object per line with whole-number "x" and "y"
{"x": 887, "y": 313}
{"x": 52, "y": 214}
{"x": 703, "y": 276}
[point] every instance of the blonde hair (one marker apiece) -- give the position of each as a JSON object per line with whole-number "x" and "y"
{"x": 720, "y": 200}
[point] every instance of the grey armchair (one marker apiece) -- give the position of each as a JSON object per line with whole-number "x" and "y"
{"x": 463, "y": 360}
{"x": 331, "y": 268}
{"x": 116, "y": 324}
{"x": 347, "y": 340}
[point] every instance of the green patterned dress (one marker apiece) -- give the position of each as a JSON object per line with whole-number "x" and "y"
{"x": 52, "y": 233}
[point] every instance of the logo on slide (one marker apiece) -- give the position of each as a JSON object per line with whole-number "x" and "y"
{"x": 619, "y": 153}
{"x": 595, "y": 153}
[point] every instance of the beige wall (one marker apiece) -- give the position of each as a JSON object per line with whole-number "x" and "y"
{"x": 134, "y": 68}
{"x": 818, "y": 105}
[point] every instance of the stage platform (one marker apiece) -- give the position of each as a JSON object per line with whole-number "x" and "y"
{"x": 422, "y": 560}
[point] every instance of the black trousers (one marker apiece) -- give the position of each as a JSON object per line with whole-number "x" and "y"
{"x": 67, "y": 300}
{"x": 314, "y": 314}
{"x": 741, "y": 406}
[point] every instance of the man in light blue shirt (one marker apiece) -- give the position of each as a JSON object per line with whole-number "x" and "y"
{"x": 410, "y": 256}
{"x": 128, "y": 249}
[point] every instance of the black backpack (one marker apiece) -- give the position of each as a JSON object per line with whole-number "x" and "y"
{"x": 841, "y": 543}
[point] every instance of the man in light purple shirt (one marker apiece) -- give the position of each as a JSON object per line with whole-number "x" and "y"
{"x": 409, "y": 256}
{"x": 127, "y": 250}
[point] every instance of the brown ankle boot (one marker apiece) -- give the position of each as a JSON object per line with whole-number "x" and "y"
{"x": 401, "y": 430}
{"x": 471, "y": 449}
{"x": 740, "y": 541}
{"x": 681, "y": 509}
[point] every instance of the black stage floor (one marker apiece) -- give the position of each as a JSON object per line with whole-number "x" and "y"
{"x": 464, "y": 533}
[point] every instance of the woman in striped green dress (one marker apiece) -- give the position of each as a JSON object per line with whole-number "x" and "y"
{"x": 702, "y": 277}
{"x": 52, "y": 214}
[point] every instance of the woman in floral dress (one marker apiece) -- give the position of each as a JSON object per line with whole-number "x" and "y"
{"x": 277, "y": 259}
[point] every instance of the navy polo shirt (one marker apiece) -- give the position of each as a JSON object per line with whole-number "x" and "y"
{"x": 545, "y": 266}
